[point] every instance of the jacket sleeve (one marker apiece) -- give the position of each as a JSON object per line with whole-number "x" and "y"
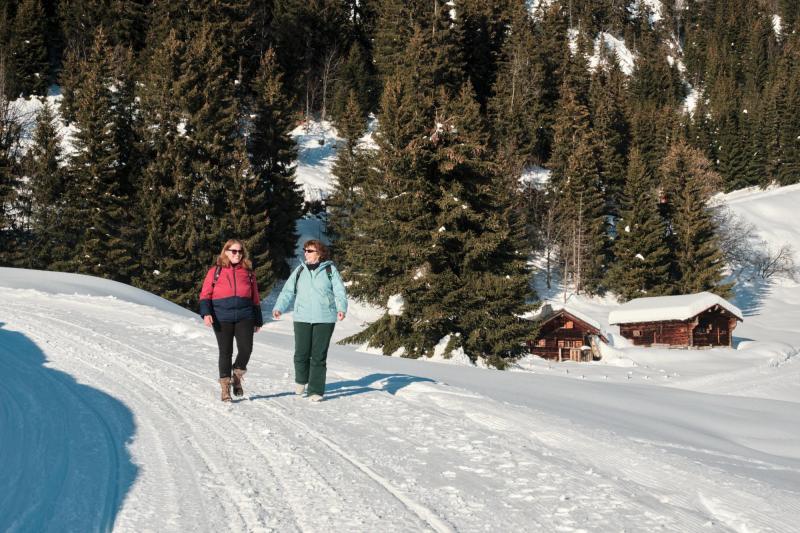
{"x": 287, "y": 293}
{"x": 339, "y": 291}
{"x": 206, "y": 293}
{"x": 259, "y": 317}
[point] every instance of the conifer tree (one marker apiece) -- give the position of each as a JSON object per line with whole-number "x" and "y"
{"x": 571, "y": 124}
{"x": 28, "y": 50}
{"x": 51, "y": 245}
{"x": 642, "y": 262}
{"x": 688, "y": 182}
{"x": 732, "y": 152}
{"x": 610, "y": 128}
{"x": 447, "y": 252}
{"x": 350, "y": 169}
{"x": 97, "y": 195}
{"x": 165, "y": 156}
{"x": 551, "y": 31}
{"x": 272, "y": 155}
{"x": 479, "y": 279}
{"x": 789, "y": 168}
{"x": 206, "y": 91}
{"x": 308, "y": 37}
{"x": 395, "y": 26}
{"x": 10, "y": 131}
{"x": 517, "y": 108}
{"x": 485, "y": 26}
{"x": 585, "y": 245}
{"x": 357, "y": 79}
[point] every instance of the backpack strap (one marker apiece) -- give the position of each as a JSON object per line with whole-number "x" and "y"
{"x": 328, "y": 271}
{"x": 216, "y": 277}
{"x": 297, "y": 277}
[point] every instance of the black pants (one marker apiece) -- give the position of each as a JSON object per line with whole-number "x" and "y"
{"x": 225, "y": 332}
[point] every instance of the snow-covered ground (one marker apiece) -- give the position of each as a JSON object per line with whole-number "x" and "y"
{"x": 110, "y": 419}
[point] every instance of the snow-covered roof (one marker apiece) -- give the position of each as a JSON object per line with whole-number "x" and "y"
{"x": 546, "y": 314}
{"x": 682, "y": 307}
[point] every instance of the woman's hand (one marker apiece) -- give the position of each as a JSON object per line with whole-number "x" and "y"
{"x": 256, "y": 329}
{"x": 208, "y": 320}
{"x": 340, "y": 316}
{"x": 276, "y": 315}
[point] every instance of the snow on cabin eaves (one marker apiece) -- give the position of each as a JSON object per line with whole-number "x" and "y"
{"x": 550, "y": 309}
{"x": 660, "y": 308}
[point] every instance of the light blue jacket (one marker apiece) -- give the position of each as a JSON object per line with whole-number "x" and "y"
{"x": 318, "y": 298}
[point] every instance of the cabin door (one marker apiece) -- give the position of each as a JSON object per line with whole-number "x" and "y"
{"x": 575, "y": 354}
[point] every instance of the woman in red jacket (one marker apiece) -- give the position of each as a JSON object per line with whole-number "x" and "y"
{"x": 229, "y": 303}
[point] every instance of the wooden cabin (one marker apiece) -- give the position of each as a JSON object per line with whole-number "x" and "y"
{"x": 689, "y": 320}
{"x": 566, "y": 335}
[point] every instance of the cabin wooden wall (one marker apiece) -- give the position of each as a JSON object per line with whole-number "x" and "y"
{"x": 710, "y": 328}
{"x": 672, "y": 332}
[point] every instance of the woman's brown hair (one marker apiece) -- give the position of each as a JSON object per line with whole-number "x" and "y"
{"x": 323, "y": 251}
{"x": 222, "y": 258}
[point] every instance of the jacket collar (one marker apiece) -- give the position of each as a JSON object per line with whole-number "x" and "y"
{"x": 321, "y": 266}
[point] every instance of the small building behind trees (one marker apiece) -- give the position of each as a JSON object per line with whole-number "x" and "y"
{"x": 688, "y": 320}
{"x": 566, "y": 334}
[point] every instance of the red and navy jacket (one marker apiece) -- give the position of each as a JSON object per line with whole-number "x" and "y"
{"x": 233, "y": 297}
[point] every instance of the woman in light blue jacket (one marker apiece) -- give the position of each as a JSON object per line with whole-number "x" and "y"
{"x": 320, "y": 299}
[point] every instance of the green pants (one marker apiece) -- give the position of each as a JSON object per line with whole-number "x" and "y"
{"x": 311, "y": 353}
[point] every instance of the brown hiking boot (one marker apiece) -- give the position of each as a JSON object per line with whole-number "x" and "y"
{"x": 225, "y": 385}
{"x": 238, "y": 378}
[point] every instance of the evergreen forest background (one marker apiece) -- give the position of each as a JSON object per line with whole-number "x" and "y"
{"x": 180, "y": 114}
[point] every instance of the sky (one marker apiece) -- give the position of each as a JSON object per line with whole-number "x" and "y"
{"x": 110, "y": 419}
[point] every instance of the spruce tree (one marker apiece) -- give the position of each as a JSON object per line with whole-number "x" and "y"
{"x": 97, "y": 195}
{"x": 585, "y": 244}
{"x": 610, "y": 126}
{"x": 206, "y": 92}
{"x": 28, "y": 50}
{"x": 517, "y": 108}
{"x": 51, "y": 244}
{"x": 350, "y": 169}
{"x": 572, "y": 123}
{"x": 641, "y": 255}
{"x": 688, "y": 182}
{"x": 10, "y": 131}
{"x": 479, "y": 278}
{"x": 356, "y": 77}
{"x": 273, "y": 153}
{"x": 165, "y": 156}
{"x": 485, "y": 26}
{"x": 448, "y": 250}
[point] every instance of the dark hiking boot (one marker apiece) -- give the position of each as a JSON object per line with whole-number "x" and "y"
{"x": 238, "y": 378}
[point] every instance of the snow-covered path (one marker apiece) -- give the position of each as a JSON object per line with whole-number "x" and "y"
{"x": 116, "y": 421}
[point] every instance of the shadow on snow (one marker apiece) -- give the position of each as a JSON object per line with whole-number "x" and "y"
{"x": 63, "y": 446}
{"x": 390, "y": 383}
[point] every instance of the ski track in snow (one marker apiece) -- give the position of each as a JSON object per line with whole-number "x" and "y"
{"x": 422, "y": 458}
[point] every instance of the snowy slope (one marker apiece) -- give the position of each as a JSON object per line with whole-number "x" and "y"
{"x": 113, "y": 419}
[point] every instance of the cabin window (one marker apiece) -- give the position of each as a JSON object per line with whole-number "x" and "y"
{"x": 561, "y": 343}
{"x": 541, "y": 343}
{"x": 637, "y": 333}
{"x": 568, "y": 324}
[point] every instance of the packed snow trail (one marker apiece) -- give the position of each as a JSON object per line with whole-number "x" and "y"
{"x": 127, "y": 394}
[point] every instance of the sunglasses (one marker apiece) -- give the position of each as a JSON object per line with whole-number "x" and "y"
{"x": 309, "y": 251}
{"x": 234, "y": 251}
